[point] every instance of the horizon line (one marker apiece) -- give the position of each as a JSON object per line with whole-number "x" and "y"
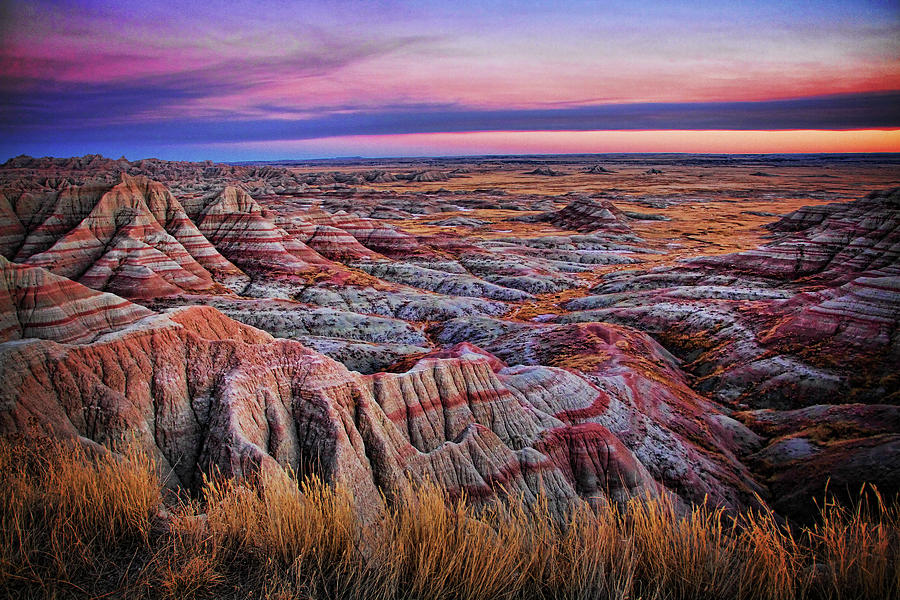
{"x": 454, "y": 156}
{"x": 458, "y": 156}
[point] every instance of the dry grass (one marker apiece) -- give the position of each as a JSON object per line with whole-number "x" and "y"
{"x": 76, "y": 524}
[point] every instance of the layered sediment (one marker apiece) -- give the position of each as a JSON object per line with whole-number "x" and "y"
{"x": 236, "y": 318}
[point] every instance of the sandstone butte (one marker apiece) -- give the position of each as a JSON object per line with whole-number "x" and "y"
{"x": 216, "y": 330}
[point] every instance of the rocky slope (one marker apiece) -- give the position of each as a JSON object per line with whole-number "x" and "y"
{"x": 199, "y": 390}
{"x": 132, "y": 238}
{"x": 841, "y": 441}
{"x": 586, "y": 214}
{"x": 34, "y": 303}
{"x": 243, "y": 295}
{"x": 807, "y": 320}
{"x": 813, "y": 314}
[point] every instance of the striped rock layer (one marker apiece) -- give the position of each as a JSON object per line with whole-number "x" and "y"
{"x": 34, "y": 303}
{"x": 240, "y": 229}
{"x": 829, "y": 244}
{"x": 135, "y": 239}
{"x": 684, "y": 440}
{"x": 802, "y": 446}
{"x": 331, "y": 242}
{"x": 132, "y": 238}
{"x": 593, "y": 412}
{"x": 200, "y": 391}
{"x": 812, "y": 315}
{"x": 372, "y": 234}
{"x": 586, "y": 214}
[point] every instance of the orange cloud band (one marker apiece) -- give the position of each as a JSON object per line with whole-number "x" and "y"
{"x": 564, "y": 142}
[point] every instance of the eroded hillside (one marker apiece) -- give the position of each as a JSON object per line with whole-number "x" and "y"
{"x": 662, "y": 328}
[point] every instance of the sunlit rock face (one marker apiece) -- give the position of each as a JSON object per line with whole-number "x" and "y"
{"x": 377, "y": 329}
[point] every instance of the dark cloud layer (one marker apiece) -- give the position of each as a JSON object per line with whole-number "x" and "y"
{"x": 80, "y": 116}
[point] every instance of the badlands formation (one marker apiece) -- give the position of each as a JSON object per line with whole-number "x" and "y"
{"x": 586, "y": 329}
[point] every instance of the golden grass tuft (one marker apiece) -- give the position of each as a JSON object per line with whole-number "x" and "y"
{"x": 78, "y": 523}
{"x": 62, "y": 510}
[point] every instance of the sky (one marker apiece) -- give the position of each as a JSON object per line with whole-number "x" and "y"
{"x": 264, "y": 80}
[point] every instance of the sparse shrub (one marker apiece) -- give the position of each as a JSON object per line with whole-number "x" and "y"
{"x": 78, "y": 523}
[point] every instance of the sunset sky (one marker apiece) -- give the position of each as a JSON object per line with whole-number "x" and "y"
{"x": 266, "y": 80}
